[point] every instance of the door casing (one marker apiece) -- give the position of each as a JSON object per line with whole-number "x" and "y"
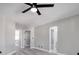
{"x": 55, "y": 30}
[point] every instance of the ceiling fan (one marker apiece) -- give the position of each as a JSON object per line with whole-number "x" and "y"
{"x": 34, "y": 7}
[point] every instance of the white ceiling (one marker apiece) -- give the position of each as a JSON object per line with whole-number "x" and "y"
{"x": 60, "y": 10}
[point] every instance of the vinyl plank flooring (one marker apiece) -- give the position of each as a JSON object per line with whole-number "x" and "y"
{"x": 28, "y": 51}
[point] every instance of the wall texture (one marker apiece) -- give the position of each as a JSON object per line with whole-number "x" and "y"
{"x": 68, "y": 35}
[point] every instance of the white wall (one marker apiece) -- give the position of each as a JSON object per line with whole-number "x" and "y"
{"x": 2, "y": 40}
{"x": 68, "y": 35}
{"x": 7, "y": 35}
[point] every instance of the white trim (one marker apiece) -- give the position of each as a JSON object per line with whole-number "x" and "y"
{"x": 47, "y": 51}
{"x": 40, "y": 49}
{"x": 32, "y": 37}
{"x": 55, "y": 38}
{"x": 32, "y": 47}
{"x": 50, "y": 40}
{"x": 11, "y": 53}
{"x": 55, "y": 29}
{"x": 56, "y": 52}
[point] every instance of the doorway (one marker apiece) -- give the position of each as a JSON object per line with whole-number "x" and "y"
{"x": 27, "y": 39}
{"x": 53, "y": 39}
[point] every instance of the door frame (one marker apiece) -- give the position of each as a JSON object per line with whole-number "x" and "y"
{"x": 54, "y": 50}
{"x": 32, "y": 38}
{"x": 55, "y": 29}
{"x": 25, "y": 37}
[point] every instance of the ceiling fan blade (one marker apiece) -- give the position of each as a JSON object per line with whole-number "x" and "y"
{"x": 26, "y": 10}
{"x": 45, "y": 5}
{"x": 38, "y": 12}
{"x": 34, "y": 3}
{"x": 29, "y": 4}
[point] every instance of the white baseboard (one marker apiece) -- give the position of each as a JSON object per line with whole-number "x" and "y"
{"x": 43, "y": 50}
{"x": 11, "y": 53}
{"x": 47, "y": 51}
{"x": 40, "y": 49}
{"x": 33, "y": 47}
{"x": 58, "y": 53}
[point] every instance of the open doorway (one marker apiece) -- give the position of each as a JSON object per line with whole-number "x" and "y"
{"x": 22, "y": 38}
{"x": 53, "y": 39}
{"x": 27, "y": 39}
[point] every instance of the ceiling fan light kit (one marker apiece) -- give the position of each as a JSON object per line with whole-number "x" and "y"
{"x": 34, "y": 7}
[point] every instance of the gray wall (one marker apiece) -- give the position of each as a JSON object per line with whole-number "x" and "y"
{"x": 68, "y": 35}
{"x": 7, "y": 35}
{"x": 1, "y": 35}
